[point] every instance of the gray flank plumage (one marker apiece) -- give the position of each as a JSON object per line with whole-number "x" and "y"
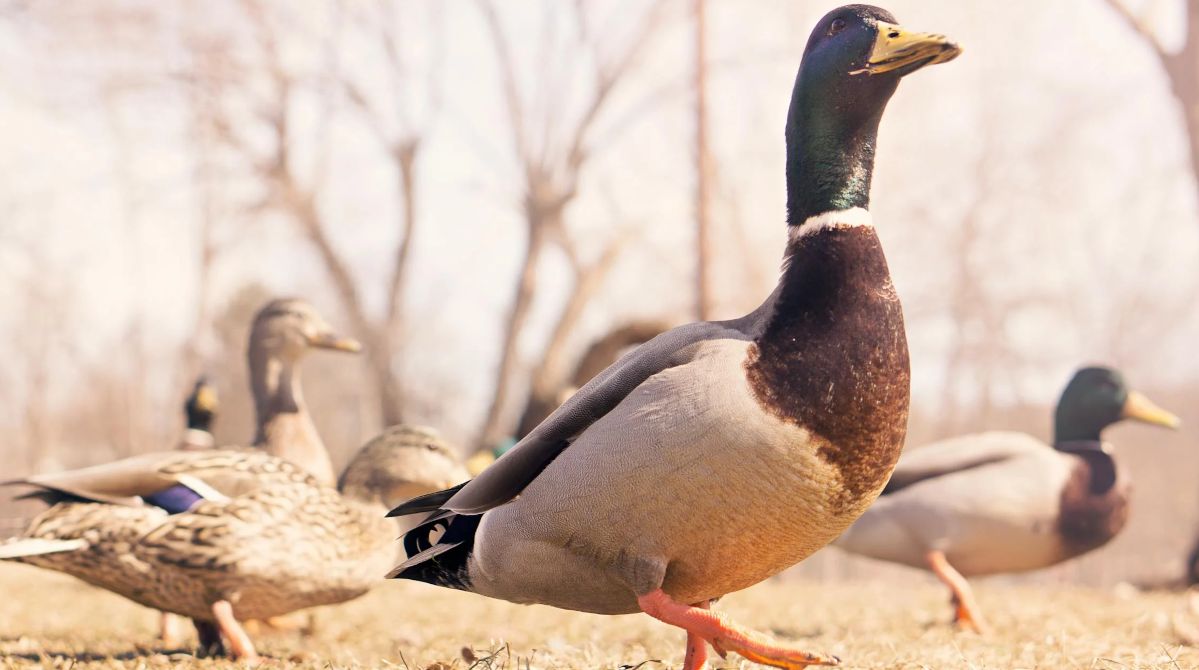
{"x": 508, "y": 476}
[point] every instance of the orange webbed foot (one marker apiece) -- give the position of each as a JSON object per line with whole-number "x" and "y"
{"x": 715, "y": 629}
{"x": 240, "y": 645}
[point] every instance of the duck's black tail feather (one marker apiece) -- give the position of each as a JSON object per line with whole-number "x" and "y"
{"x": 430, "y": 502}
{"x": 439, "y": 549}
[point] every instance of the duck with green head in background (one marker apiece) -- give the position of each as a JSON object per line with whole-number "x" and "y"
{"x": 1001, "y": 502}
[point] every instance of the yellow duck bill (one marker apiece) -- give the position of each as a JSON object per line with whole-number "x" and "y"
{"x": 336, "y": 343}
{"x": 1140, "y": 408}
{"x": 895, "y": 48}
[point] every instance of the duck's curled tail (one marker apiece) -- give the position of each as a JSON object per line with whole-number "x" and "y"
{"x": 439, "y": 547}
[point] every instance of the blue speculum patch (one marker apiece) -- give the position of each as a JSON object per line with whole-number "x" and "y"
{"x": 175, "y": 500}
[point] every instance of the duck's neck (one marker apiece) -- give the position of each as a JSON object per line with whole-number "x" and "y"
{"x": 284, "y": 427}
{"x": 830, "y": 155}
{"x": 832, "y": 252}
{"x": 1084, "y": 441}
{"x": 1066, "y": 431}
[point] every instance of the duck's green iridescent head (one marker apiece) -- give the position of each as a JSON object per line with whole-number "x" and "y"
{"x": 851, "y": 66}
{"x": 1097, "y": 397}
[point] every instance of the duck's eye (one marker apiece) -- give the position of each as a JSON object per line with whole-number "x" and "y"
{"x": 836, "y": 26}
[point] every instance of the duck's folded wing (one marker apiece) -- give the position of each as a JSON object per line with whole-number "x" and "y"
{"x": 509, "y": 475}
{"x": 210, "y": 475}
{"x": 958, "y": 454}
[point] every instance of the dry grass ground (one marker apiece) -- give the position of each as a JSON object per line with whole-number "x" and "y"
{"x": 47, "y": 620}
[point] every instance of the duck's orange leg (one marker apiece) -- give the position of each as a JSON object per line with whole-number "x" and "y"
{"x": 697, "y": 647}
{"x": 724, "y": 636}
{"x": 239, "y": 641}
{"x": 966, "y": 612}
{"x": 169, "y": 629}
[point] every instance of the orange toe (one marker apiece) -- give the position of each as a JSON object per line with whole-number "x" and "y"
{"x": 724, "y": 636}
{"x": 967, "y": 620}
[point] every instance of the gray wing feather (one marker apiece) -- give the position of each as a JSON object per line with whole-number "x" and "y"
{"x": 119, "y": 482}
{"x": 509, "y": 475}
{"x": 959, "y": 454}
{"x": 215, "y": 473}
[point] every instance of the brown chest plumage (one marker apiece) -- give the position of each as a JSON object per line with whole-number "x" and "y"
{"x": 1094, "y": 504}
{"x": 833, "y": 357}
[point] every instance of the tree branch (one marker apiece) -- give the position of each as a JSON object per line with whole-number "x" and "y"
{"x": 511, "y": 89}
{"x": 1138, "y": 25}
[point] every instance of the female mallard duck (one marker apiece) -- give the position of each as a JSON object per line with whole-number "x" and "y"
{"x": 718, "y": 454}
{"x": 222, "y": 536}
{"x": 283, "y": 331}
{"x": 199, "y": 410}
{"x": 1007, "y": 502}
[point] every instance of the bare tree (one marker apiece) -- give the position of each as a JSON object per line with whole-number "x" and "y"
{"x": 703, "y": 169}
{"x": 296, "y": 191}
{"x": 599, "y": 355}
{"x": 550, "y": 166}
{"x": 1180, "y": 66}
{"x": 205, "y": 177}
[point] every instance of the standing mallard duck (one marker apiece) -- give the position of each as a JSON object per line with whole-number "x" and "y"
{"x": 1007, "y": 502}
{"x": 719, "y": 453}
{"x": 283, "y": 331}
{"x": 222, "y": 536}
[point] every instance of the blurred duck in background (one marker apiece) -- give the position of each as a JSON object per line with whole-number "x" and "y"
{"x": 1001, "y": 502}
{"x": 484, "y": 457}
{"x": 599, "y": 355}
{"x": 283, "y": 332}
{"x": 225, "y": 535}
{"x": 200, "y": 410}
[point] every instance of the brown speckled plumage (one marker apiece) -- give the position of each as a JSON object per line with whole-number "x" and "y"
{"x": 282, "y": 544}
{"x": 268, "y": 538}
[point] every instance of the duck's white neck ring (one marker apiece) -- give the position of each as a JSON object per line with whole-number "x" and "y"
{"x": 838, "y": 218}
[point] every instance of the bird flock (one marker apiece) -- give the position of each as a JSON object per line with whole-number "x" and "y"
{"x": 704, "y": 461}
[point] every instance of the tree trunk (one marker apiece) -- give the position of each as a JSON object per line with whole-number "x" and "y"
{"x": 493, "y": 430}
{"x": 703, "y": 172}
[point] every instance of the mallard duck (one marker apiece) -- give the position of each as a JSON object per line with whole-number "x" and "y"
{"x": 718, "y": 453}
{"x": 222, "y": 536}
{"x": 283, "y": 331}
{"x": 199, "y": 410}
{"x": 1007, "y": 502}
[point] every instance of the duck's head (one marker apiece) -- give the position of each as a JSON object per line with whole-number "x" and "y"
{"x": 1097, "y": 397}
{"x": 851, "y": 67}
{"x": 287, "y": 328}
{"x": 401, "y": 463}
{"x": 201, "y": 405}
